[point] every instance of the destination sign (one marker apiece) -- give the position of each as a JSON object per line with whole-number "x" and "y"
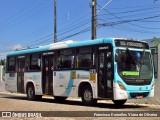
{"x": 131, "y": 43}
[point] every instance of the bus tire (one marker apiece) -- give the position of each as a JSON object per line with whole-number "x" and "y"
{"x": 87, "y": 96}
{"x": 119, "y": 103}
{"x": 30, "y": 92}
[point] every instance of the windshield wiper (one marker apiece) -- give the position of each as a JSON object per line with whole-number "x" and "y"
{"x": 142, "y": 59}
{"x": 130, "y": 56}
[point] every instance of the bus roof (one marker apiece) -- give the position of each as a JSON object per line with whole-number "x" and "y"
{"x": 66, "y": 44}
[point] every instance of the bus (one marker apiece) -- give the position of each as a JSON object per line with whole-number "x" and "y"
{"x": 114, "y": 69}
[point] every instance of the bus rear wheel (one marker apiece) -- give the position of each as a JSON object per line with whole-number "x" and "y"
{"x": 119, "y": 103}
{"x": 30, "y": 92}
{"x": 87, "y": 96}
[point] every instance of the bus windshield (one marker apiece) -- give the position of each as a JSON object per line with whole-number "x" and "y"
{"x": 134, "y": 64}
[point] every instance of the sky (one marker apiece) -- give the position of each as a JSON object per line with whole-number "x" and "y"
{"x": 30, "y": 23}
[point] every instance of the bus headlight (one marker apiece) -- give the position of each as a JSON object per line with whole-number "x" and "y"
{"x": 121, "y": 86}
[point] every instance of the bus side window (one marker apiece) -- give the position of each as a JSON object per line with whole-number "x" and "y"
{"x": 35, "y": 62}
{"x": 58, "y": 61}
{"x": 66, "y": 59}
{"x": 84, "y": 58}
{"x": 11, "y": 64}
{"x": 27, "y": 63}
{"x": 76, "y": 59}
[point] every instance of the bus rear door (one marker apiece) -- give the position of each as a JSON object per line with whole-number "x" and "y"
{"x": 47, "y": 74}
{"x": 20, "y": 74}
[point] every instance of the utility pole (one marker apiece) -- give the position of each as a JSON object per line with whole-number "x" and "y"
{"x": 55, "y": 22}
{"x": 94, "y": 14}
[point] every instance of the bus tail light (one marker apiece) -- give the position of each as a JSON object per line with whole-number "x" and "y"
{"x": 121, "y": 86}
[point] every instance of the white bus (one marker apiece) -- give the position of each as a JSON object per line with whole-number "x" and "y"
{"x": 107, "y": 68}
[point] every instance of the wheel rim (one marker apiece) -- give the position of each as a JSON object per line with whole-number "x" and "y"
{"x": 87, "y": 96}
{"x": 30, "y": 92}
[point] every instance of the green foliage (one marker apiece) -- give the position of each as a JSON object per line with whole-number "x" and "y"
{"x": 156, "y": 41}
{"x": 2, "y": 62}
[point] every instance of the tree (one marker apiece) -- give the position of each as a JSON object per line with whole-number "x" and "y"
{"x": 2, "y": 62}
{"x": 156, "y": 41}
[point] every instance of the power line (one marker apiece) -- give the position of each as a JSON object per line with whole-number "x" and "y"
{"x": 17, "y": 21}
{"x": 104, "y": 6}
{"x": 131, "y": 7}
{"x": 129, "y": 21}
{"x": 34, "y": 40}
{"x": 79, "y": 20}
{"x": 137, "y": 10}
{"x": 132, "y": 30}
{"x": 127, "y": 16}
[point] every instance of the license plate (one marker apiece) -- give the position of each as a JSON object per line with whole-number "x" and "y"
{"x": 139, "y": 97}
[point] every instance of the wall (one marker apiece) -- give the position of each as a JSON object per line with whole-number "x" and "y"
{"x": 1, "y": 72}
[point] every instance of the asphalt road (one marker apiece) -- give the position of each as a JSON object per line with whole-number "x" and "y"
{"x": 74, "y": 108}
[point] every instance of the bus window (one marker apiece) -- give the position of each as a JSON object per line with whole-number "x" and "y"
{"x": 35, "y": 62}
{"x": 85, "y": 58}
{"x": 11, "y": 64}
{"x": 65, "y": 59}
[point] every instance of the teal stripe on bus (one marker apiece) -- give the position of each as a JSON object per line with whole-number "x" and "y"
{"x": 69, "y": 86}
{"x": 91, "y": 42}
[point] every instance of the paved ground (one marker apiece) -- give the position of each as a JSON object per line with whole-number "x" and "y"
{"x": 155, "y": 100}
{"x": 18, "y": 102}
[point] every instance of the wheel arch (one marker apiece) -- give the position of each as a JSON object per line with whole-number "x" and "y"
{"x": 28, "y": 84}
{"x": 84, "y": 84}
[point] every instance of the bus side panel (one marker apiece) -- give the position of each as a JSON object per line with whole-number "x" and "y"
{"x": 36, "y": 79}
{"x": 60, "y": 79}
{"x": 66, "y": 83}
{"x": 11, "y": 82}
{"x": 83, "y": 76}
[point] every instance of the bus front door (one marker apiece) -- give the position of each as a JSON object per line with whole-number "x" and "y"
{"x": 20, "y": 75}
{"x": 47, "y": 75}
{"x": 105, "y": 74}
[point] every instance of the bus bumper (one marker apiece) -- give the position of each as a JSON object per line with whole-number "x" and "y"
{"x": 120, "y": 94}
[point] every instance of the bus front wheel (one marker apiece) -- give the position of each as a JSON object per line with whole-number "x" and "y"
{"x": 87, "y": 96}
{"x": 119, "y": 102}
